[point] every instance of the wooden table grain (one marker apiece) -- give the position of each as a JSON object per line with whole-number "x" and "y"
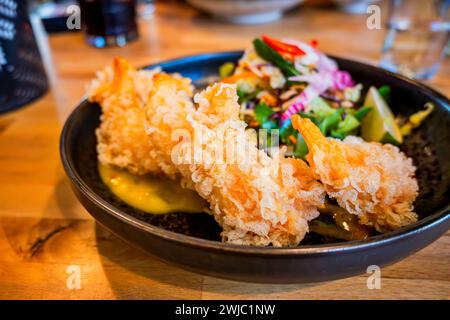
{"x": 47, "y": 238}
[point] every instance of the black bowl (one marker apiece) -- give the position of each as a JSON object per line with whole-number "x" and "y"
{"x": 191, "y": 241}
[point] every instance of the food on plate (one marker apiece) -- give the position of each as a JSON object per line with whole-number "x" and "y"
{"x": 151, "y": 193}
{"x": 258, "y": 200}
{"x": 379, "y": 124}
{"x": 168, "y": 107}
{"x": 373, "y": 181}
{"x": 330, "y": 165}
{"x": 122, "y": 92}
{"x": 277, "y": 79}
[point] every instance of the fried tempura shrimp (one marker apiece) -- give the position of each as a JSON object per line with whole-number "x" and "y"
{"x": 122, "y": 92}
{"x": 371, "y": 180}
{"x": 259, "y": 200}
{"x": 169, "y": 105}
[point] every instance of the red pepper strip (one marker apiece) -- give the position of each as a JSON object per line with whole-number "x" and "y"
{"x": 283, "y": 47}
{"x": 314, "y": 43}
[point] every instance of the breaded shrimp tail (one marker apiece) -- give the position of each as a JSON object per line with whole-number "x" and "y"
{"x": 371, "y": 180}
{"x": 122, "y": 92}
{"x": 249, "y": 197}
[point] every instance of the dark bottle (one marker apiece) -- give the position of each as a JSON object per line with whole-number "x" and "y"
{"x": 109, "y": 22}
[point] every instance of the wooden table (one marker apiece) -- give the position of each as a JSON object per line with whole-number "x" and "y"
{"x": 44, "y": 229}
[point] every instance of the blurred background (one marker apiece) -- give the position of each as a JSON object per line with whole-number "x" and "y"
{"x": 59, "y": 43}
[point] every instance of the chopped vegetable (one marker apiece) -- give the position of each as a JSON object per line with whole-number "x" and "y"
{"x": 416, "y": 119}
{"x": 244, "y": 96}
{"x": 341, "y": 80}
{"x": 301, "y": 101}
{"x": 269, "y": 99}
{"x": 301, "y": 149}
{"x": 277, "y": 79}
{"x": 331, "y": 121}
{"x": 320, "y": 107}
{"x": 353, "y": 94}
{"x": 269, "y": 54}
{"x": 263, "y": 112}
{"x": 236, "y": 77}
{"x": 346, "y": 221}
{"x": 286, "y": 130}
{"x": 329, "y": 230}
{"x": 309, "y": 116}
{"x": 283, "y": 47}
{"x": 361, "y": 113}
{"x": 327, "y": 76}
{"x": 293, "y": 139}
{"x": 385, "y": 92}
{"x": 345, "y": 127}
{"x": 337, "y": 135}
{"x": 226, "y": 70}
{"x": 379, "y": 125}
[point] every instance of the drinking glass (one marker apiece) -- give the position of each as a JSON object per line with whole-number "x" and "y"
{"x": 145, "y": 9}
{"x": 109, "y": 22}
{"x": 418, "y": 32}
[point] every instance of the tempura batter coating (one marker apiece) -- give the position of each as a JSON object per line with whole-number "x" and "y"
{"x": 169, "y": 105}
{"x": 374, "y": 181}
{"x": 122, "y": 93}
{"x": 251, "y": 198}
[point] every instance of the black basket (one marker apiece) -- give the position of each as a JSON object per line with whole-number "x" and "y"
{"x": 22, "y": 74}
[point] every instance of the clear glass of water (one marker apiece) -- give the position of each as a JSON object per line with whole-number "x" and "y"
{"x": 418, "y": 32}
{"x": 145, "y": 9}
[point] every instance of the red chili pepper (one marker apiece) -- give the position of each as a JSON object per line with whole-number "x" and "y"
{"x": 314, "y": 43}
{"x": 283, "y": 47}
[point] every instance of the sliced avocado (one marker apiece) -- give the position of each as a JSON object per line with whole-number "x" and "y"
{"x": 379, "y": 125}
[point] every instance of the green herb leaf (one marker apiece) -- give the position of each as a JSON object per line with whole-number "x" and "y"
{"x": 385, "y": 92}
{"x": 337, "y": 135}
{"x": 320, "y": 107}
{"x": 246, "y": 96}
{"x": 285, "y": 131}
{"x": 347, "y": 125}
{"x": 240, "y": 94}
{"x": 263, "y": 112}
{"x": 271, "y": 55}
{"x": 362, "y": 112}
{"x": 330, "y": 122}
{"x": 309, "y": 116}
{"x": 301, "y": 149}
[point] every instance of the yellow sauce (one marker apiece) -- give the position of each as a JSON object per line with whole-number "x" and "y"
{"x": 155, "y": 195}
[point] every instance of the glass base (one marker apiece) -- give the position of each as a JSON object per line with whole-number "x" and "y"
{"x": 111, "y": 41}
{"x": 145, "y": 10}
{"x": 423, "y": 73}
{"x": 355, "y": 7}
